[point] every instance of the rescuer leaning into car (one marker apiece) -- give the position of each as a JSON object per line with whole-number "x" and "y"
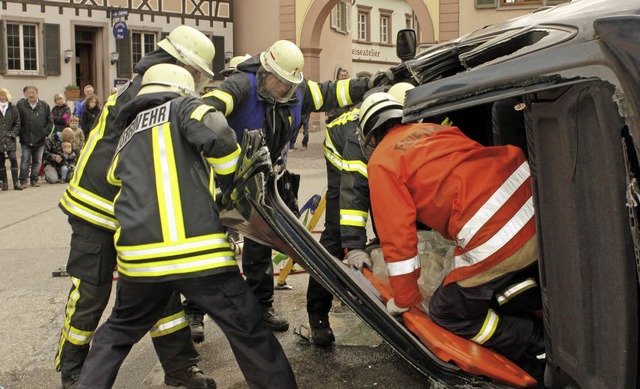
{"x": 478, "y": 196}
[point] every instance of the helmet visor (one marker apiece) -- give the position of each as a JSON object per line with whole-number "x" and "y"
{"x": 367, "y": 144}
{"x": 272, "y": 86}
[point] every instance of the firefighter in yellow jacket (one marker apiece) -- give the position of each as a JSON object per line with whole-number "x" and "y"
{"x": 88, "y": 202}
{"x": 170, "y": 238}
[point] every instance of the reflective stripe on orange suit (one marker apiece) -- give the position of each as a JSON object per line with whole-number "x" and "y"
{"x": 442, "y": 178}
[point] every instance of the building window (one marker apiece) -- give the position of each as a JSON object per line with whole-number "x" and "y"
{"x": 364, "y": 24}
{"x": 141, "y": 45}
{"x": 408, "y": 21}
{"x": 385, "y": 26}
{"x": 22, "y": 48}
{"x": 521, "y": 2}
{"x": 384, "y": 29}
{"x": 341, "y": 18}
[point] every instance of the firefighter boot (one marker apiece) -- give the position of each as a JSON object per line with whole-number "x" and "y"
{"x": 196, "y": 324}
{"x": 321, "y": 333}
{"x": 275, "y": 322}
{"x": 533, "y": 360}
{"x": 191, "y": 377}
{"x": 14, "y": 177}
{"x": 70, "y": 381}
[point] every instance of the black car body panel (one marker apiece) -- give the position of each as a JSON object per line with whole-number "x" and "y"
{"x": 569, "y": 76}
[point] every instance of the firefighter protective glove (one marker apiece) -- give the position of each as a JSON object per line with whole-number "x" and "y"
{"x": 394, "y": 309}
{"x": 382, "y": 77}
{"x": 358, "y": 259}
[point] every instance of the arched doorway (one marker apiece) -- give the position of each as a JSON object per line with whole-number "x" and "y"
{"x": 314, "y": 21}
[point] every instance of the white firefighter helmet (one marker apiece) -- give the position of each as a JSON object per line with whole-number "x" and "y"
{"x": 399, "y": 90}
{"x": 285, "y": 60}
{"x": 167, "y": 78}
{"x": 190, "y": 47}
{"x": 235, "y": 61}
{"x": 376, "y": 110}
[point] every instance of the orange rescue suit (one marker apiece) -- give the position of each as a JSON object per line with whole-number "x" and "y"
{"x": 478, "y": 196}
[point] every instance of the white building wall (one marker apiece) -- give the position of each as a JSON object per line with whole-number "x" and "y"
{"x": 370, "y": 57}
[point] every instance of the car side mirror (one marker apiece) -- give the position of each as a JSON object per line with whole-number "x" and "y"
{"x": 406, "y": 43}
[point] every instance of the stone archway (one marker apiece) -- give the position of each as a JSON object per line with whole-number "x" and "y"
{"x": 318, "y": 13}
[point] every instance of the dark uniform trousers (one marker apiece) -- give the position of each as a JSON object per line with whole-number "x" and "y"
{"x": 463, "y": 311}
{"x": 92, "y": 259}
{"x": 318, "y": 298}
{"x": 257, "y": 267}
{"x": 224, "y": 297}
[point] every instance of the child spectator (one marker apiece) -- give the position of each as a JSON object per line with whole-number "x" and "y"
{"x": 78, "y": 135}
{"x": 54, "y": 159}
{"x": 60, "y": 112}
{"x": 69, "y": 162}
{"x": 90, "y": 112}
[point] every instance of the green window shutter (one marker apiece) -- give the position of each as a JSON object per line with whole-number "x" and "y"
{"x": 218, "y": 60}
{"x": 124, "y": 59}
{"x": 52, "y": 49}
{"x": 2, "y": 68}
{"x": 486, "y": 3}
{"x": 556, "y": 2}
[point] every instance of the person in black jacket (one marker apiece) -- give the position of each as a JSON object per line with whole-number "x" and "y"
{"x": 90, "y": 112}
{"x": 60, "y": 112}
{"x": 92, "y": 256}
{"x": 170, "y": 237}
{"x": 268, "y": 91}
{"x": 9, "y": 130}
{"x": 35, "y": 125}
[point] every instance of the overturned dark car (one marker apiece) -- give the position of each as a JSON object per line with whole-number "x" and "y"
{"x": 563, "y": 84}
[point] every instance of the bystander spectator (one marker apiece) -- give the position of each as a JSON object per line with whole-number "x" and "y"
{"x": 56, "y": 166}
{"x": 9, "y": 130}
{"x": 88, "y": 92}
{"x": 35, "y": 126}
{"x": 60, "y": 112}
{"x": 90, "y": 112}
{"x": 78, "y": 135}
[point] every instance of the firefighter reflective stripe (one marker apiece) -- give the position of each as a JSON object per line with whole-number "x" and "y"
{"x": 212, "y": 185}
{"x": 355, "y": 166}
{"x": 169, "y": 324}
{"x": 76, "y": 336}
{"x": 331, "y": 153}
{"x": 91, "y": 199}
{"x": 94, "y": 137}
{"x": 111, "y": 175}
{"x": 226, "y": 165}
{"x": 70, "y": 333}
{"x": 165, "y": 267}
{"x": 226, "y": 98}
{"x": 493, "y": 204}
{"x": 352, "y": 217}
{"x": 169, "y": 249}
{"x": 515, "y": 290}
{"x": 168, "y": 190}
{"x": 88, "y": 214}
{"x": 342, "y": 93}
{"x": 488, "y": 328}
{"x": 199, "y": 112}
{"x": 403, "y": 267}
{"x": 316, "y": 94}
{"x": 497, "y": 241}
